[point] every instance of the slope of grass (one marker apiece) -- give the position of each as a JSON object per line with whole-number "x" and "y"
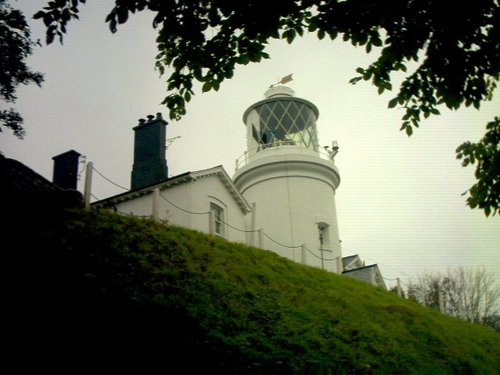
{"x": 132, "y": 288}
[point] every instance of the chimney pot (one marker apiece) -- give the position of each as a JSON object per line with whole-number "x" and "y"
{"x": 142, "y": 121}
{"x": 150, "y": 117}
{"x": 66, "y": 169}
{"x": 158, "y": 116}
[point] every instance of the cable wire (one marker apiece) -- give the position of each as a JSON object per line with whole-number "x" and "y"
{"x": 382, "y": 265}
{"x": 206, "y": 213}
{"x": 276, "y": 242}
{"x": 184, "y": 210}
{"x": 93, "y": 196}
{"x": 317, "y": 256}
{"x": 107, "y": 179}
{"x": 238, "y": 229}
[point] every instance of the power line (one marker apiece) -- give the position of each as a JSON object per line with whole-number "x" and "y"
{"x": 384, "y": 266}
{"x": 107, "y": 179}
{"x": 93, "y": 196}
{"x": 184, "y": 210}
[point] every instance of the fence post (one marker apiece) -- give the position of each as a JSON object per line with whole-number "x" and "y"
{"x": 260, "y": 239}
{"x": 252, "y": 224}
{"x": 156, "y": 201}
{"x": 211, "y": 228}
{"x": 88, "y": 183}
{"x": 339, "y": 264}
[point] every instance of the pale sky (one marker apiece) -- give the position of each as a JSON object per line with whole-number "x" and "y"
{"x": 399, "y": 202}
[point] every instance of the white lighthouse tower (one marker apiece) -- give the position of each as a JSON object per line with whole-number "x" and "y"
{"x": 290, "y": 181}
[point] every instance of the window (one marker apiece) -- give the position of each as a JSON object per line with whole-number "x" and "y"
{"x": 217, "y": 219}
{"x": 286, "y": 122}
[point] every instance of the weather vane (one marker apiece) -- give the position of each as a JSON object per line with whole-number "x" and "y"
{"x": 283, "y": 80}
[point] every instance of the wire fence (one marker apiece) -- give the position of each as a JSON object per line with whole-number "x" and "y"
{"x": 261, "y": 231}
{"x": 301, "y": 246}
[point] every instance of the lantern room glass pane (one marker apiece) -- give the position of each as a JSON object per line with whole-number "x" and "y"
{"x": 286, "y": 122}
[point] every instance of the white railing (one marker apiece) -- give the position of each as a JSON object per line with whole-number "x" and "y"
{"x": 279, "y": 148}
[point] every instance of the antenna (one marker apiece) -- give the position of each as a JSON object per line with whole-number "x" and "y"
{"x": 171, "y": 140}
{"x": 283, "y": 80}
{"x": 83, "y": 161}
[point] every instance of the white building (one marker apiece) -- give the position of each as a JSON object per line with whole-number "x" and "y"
{"x": 205, "y": 200}
{"x": 281, "y": 197}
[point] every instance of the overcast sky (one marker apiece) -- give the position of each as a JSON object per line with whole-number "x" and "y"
{"x": 399, "y": 203}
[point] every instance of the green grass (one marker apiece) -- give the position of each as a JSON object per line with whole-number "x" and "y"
{"x": 200, "y": 302}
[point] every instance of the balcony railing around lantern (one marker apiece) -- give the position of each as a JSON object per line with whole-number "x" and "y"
{"x": 285, "y": 147}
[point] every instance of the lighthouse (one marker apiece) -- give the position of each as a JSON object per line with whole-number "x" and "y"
{"x": 290, "y": 181}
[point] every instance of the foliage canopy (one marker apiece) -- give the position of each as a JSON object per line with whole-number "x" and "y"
{"x": 457, "y": 45}
{"x": 15, "y": 46}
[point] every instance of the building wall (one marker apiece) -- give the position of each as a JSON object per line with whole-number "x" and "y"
{"x": 142, "y": 205}
{"x": 293, "y": 199}
{"x": 364, "y": 274}
{"x": 210, "y": 189}
{"x": 187, "y": 204}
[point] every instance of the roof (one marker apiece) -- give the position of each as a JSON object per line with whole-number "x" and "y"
{"x": 23, "y": 188}
{"x": 348, "y": 259}
{"x": 351, "y": 261}
{"x": 181, "y": 179}
{"x": 19, "y": 179}
{"x": 367, "y": 275}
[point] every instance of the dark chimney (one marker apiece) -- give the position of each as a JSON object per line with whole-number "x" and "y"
{"x": 66, "y": 170}
{"x": 150, "y": 165}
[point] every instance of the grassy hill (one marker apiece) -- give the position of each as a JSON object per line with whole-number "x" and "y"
{"x": 92, "y": 286}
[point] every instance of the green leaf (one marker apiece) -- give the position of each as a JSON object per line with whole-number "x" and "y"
{"x": 393, "y": 102}
{"x": 333, "y": 34}
{"x": 355, "y": 80}
{"x": 377, "y": 42}
{"x": 312, "y": 27}
{"x": 49, "y": 37}
{"x": 243, "y": 59}
{"x": 207, "y": 86}
{"x": 409, "y": 131}
{"x": 122, "y": 14}
{"x": 39, "y": 14}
